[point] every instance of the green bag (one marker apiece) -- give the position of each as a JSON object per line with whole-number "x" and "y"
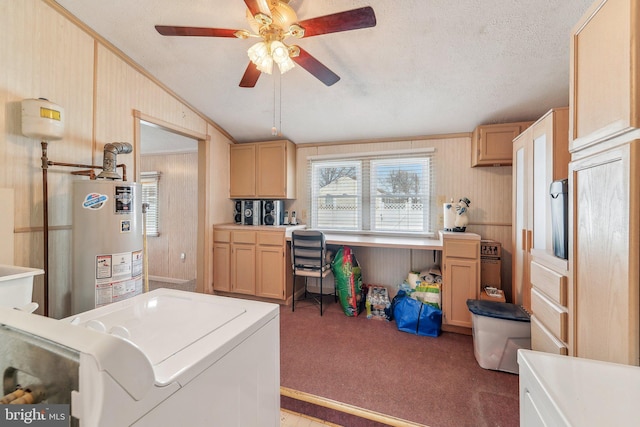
{"x": 348, "y": 278}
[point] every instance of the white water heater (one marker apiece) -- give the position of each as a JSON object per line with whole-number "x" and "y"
{"x": 107, "y": 243}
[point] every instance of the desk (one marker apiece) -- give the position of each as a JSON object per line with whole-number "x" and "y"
{"x": 388, "y": 259}
{"x": 371, "y": 241}
{"x": 385, "y": 260}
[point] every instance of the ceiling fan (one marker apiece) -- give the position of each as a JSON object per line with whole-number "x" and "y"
{"x": 274, "y": 21}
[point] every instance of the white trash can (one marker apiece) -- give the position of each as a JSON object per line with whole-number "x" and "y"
{"x": 499, "y": 330}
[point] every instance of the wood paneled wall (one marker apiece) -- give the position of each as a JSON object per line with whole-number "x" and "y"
{"x": 178, "y": 216}
{"x": 44, "y": 53}
{"x": 489, "y": 190}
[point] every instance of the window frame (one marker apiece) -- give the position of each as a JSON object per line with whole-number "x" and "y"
{"x": 150, "y": 183}
{"x": 367, "y": 223}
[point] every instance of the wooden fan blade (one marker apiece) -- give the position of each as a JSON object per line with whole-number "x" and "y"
{"x": 250, "y": 77}
{"x": 363, "y": 17}
{"x": 169, "y": 30}
{"x": 315, "y": 67}
{"x": 258, "y": 6}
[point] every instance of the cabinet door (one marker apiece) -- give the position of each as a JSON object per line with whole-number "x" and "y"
{"x": 461, "y": 277}
{"x": 492, "y": 144}
{"x": 243, "y": 264}
{"x": 242, "y": 171}
{"x": 605, "y": 255}
{"x": 272, "y": 170}
{"x": 270, "y": 271}
{"x": 520, "y": 240}
{"x": 605, "y": 80}
{"x": 222, "y": 267}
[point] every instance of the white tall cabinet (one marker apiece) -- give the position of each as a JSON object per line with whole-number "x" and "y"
{"x": 540, "y": 156}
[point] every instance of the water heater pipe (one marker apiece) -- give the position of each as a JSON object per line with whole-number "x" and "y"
{"x": 109, "y": 163}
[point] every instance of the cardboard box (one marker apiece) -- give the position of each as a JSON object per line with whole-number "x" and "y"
{"x": 490, "y": 263}
{"x": 486, "y": 297}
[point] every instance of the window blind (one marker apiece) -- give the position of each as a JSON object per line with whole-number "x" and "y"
{"x": 384, "y": 192}
{"x": 150, "y": 183}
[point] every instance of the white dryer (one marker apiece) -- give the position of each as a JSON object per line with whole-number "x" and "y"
{"x": 164, "y": 358}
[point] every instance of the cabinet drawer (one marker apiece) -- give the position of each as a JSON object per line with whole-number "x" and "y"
{"x": 222, "y": 236}
{"x": 270, "y": 238}
{"x": 549, "y": 282}
{"x": 551, "y": 315}
{"x": 543, "y": 340}
{"x": 244, "y": 237}
{"x": 462, "y": 249}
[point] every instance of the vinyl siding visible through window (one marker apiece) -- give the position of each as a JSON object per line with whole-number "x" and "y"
{"x": 386, "y": 193}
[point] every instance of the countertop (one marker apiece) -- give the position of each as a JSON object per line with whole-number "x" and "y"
{"x": 364, "y": 240}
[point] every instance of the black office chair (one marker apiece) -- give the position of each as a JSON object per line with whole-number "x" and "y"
{"x": 309, "y": 258}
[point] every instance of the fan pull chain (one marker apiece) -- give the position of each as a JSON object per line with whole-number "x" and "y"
{"x": 274, "y": 130}
{"x": 280, "y": 102}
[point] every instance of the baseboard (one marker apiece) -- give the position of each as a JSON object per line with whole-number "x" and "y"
{"x": 168, "y": 280}
{"x": 346, "y": 408}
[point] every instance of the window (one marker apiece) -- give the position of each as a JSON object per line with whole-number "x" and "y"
{"x": 379, "y": 193}
{"x": 150, "y": 182}
{"x": 337, "y": 196}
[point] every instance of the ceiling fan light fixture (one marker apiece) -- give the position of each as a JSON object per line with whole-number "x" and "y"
{"x": 259, "y": 54}
{"x": 279, "y": 51}
{"x": 285, "y": 65}
{"x": 280, "y": 55}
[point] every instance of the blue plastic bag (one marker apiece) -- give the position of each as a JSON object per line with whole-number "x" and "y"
{"x": 414, "y": 317}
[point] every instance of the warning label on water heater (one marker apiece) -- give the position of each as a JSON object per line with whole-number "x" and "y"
{"x": 118, "y": 277}
{"x": 124, "y": 200}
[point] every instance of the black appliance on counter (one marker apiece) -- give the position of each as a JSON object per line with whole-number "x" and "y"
{"x": 560, "y": 217}
{"x": 259, "y": 212}
{"x": 272, "y": 212}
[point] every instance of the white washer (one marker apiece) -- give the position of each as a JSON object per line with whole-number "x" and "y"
{"x": 170, "y": 358}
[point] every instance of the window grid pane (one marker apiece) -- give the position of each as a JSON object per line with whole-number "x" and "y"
{"x": 376, "y": 194}
{"x": 336, "y": 195}
{"x": 149, "y": 181}
{"x": 399, "y": 190}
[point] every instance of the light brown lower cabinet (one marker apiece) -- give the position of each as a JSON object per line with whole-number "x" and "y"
{"x": 461, "y": 261}
{"x": 550, "y": 320}
{"x": 243, "y": 262}
{"x": 605, "y": 268}
{"x": 269, "y": 267}
{"x": 251, "y": 261}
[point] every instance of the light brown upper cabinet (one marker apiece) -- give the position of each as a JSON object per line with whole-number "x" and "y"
{"x": 263, "y": 170}
{"x": 605, "y": 74}
{"x": 491, "y": 145}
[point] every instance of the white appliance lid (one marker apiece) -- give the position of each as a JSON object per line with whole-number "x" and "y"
{"x": 161, "y": 325}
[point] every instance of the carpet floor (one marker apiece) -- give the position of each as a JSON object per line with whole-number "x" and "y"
{"x": 370, "y": 364}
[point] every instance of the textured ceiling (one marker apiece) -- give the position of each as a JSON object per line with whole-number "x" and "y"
{"x": 428, "y": 67}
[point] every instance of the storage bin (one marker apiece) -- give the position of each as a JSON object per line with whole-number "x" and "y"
{"x": 16, "y": 285}
{"x": 499, "y": 330}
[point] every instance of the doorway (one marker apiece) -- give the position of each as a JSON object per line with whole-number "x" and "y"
{"x": 168, "y": 170}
